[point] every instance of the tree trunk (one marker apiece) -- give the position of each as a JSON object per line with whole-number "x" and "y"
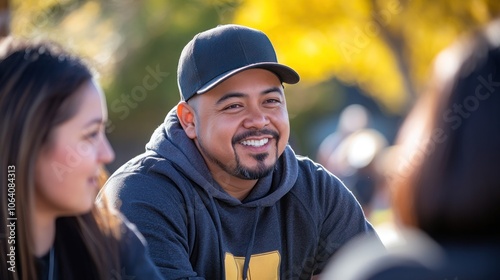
{"x": 4, "y": 18}
{"x": 397, "y": 47}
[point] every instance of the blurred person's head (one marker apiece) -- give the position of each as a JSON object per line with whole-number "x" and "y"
{"x": 353, "y": 118}
{"x": 448, "y": 183}
{"x": 52, "y": 120}
{"x": 354, "y": 162}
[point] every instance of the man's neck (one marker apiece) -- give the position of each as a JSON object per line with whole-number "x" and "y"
{"x": 236, "y": 187}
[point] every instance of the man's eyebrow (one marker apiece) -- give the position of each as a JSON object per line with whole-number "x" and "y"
{"x": 273, "y": 89}
{"x": 229, "y": 95}
{"x": 239, "y": 94}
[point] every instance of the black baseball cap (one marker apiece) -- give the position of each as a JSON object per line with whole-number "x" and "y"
{"x": 214, "y": 55}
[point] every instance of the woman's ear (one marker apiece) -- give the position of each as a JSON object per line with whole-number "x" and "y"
{"x": 185, "y": 113}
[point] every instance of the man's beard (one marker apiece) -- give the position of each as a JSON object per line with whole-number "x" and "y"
{"x": 241, "y": 171}
{"x": 254, "y": 173}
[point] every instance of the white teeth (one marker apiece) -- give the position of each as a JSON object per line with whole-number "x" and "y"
{"x": 255, "y": 143}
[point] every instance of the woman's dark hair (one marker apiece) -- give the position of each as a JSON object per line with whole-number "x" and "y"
{"x": 450, "y": 186}
{"x": 38, "y": 82}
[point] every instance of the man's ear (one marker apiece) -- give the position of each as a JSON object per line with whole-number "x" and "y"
{"x": 185, "y": 113}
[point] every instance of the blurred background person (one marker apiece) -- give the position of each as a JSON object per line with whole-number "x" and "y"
{"x": 351, "y": 153}
{"x": 351, "y": 119}
{"x": 447, "y": 187}
{"x": 355, "y": 161}
{"x": 52, "y": 122}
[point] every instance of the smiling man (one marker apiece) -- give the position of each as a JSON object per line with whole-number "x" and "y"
{"x": 219, "y": 193}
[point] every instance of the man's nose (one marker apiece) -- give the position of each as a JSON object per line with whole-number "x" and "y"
{"x": 256, "y": 118}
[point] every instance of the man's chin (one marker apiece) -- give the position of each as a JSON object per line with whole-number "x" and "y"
{"x": 254, "y": 173}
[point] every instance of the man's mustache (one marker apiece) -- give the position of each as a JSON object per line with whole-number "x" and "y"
{"x": 255, "y": 133}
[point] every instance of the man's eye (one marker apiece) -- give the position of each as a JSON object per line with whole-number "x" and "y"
{"x": 273, "y": 101}
{"x": 232, "y": 106}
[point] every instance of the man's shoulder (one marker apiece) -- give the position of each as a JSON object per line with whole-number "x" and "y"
{"x": 148, "y": 166}
{"x": 315, "y": 185}
{"x": 139, "y": 164}
{"x": 313, "y": 174}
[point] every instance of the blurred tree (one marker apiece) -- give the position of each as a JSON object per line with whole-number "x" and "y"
{"x": 383, "y": 46}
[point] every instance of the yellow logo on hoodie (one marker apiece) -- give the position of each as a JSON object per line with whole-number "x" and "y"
{"x": 264, "y": 266}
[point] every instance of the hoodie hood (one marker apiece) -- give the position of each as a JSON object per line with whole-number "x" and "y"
{"x": 171, "y": 142}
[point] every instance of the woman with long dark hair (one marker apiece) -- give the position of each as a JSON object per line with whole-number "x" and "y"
{"x": 52, "y": 152}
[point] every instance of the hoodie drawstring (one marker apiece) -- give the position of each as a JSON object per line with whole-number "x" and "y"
{"x": 218, "y": 226}
{"x": 248, "y": 253}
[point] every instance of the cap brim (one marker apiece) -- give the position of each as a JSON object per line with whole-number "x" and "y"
{"x": 285, "y": 73}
